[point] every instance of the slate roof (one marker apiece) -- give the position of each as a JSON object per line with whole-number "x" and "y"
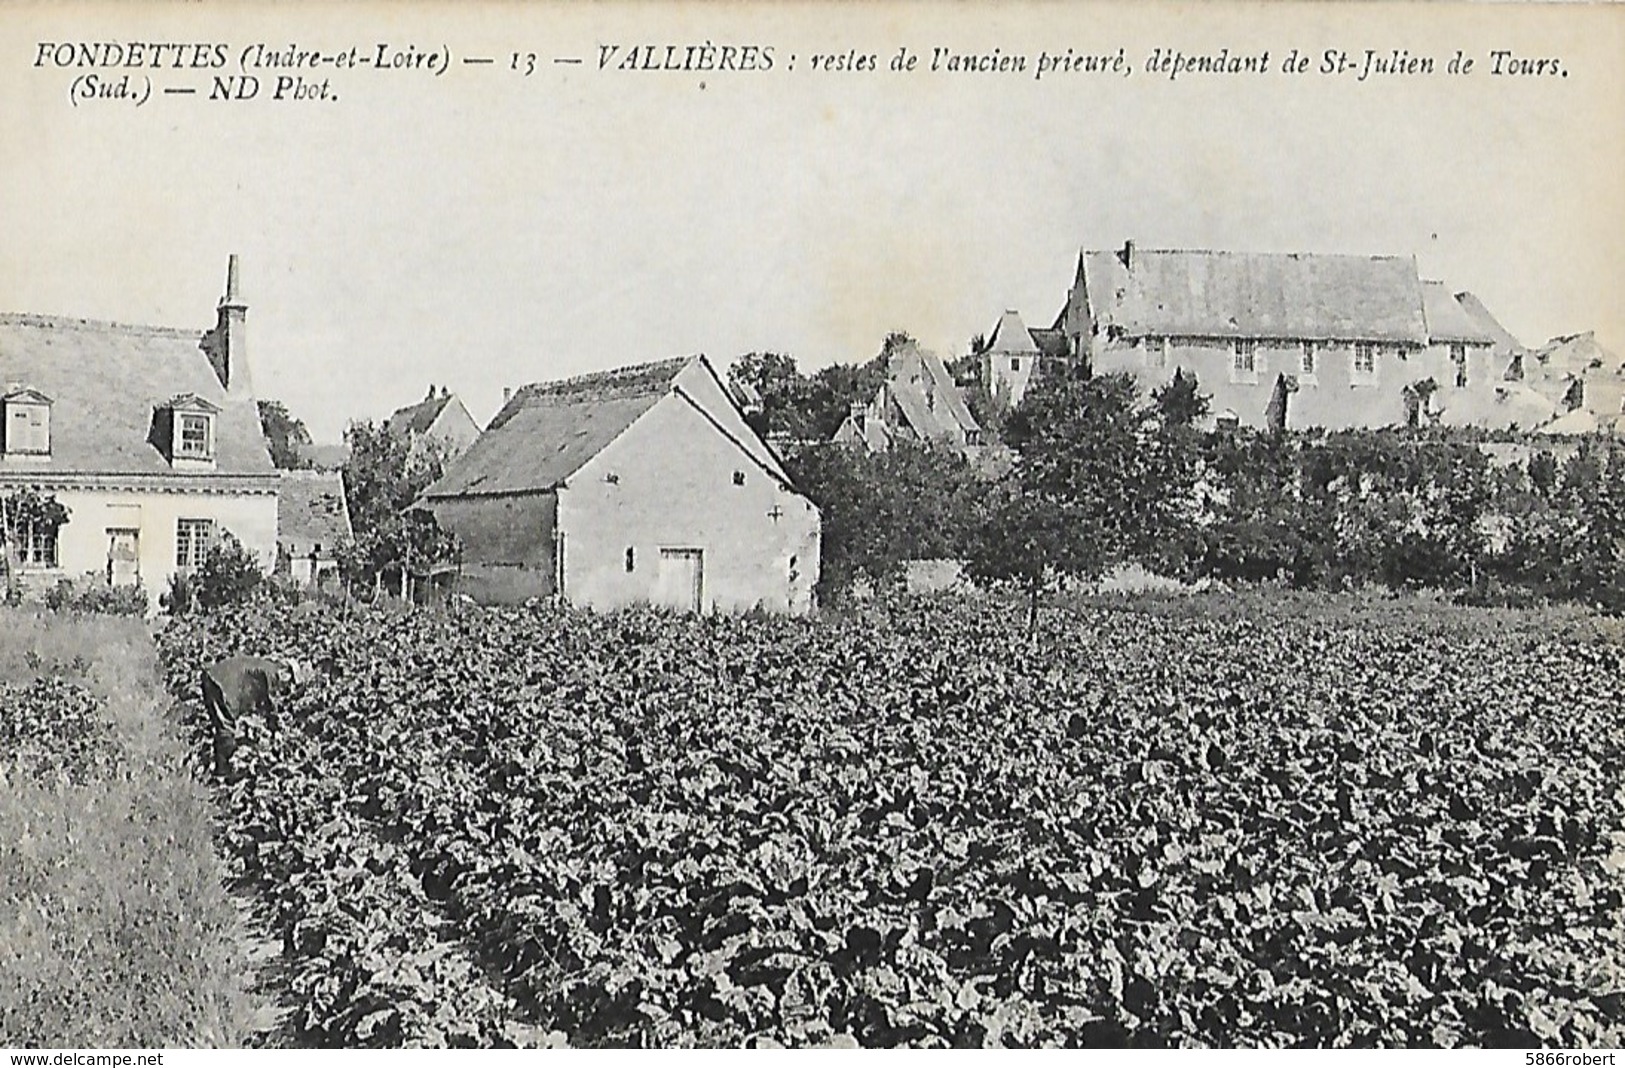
{"x": 1448, "y": 321}
{"x": 106, "y": 381}
{"x": 311, "y": 512}
{"x": 547, "y": 430}
{"x": 1011, "y": 337}
{"x": 1288, "y": 296}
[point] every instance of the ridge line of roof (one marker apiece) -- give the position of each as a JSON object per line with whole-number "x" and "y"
{"x": 1139, "y": 251}
{"x": 543, "y": 387}
{"x": 66, "y": 322}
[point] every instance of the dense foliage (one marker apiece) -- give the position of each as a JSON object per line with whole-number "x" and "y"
{"x": 1104, "y": 476}
{"x": 1409, "y": 510}
{"x": 285, "y": 436}
{"x": 809, "y": 408}
{"x": 880, "y": 510}
{"x": 907, "y": 826}
{"x": 51, "y": 726}
{"x": 91, "y": 592}
{"x": 383, "y": 478}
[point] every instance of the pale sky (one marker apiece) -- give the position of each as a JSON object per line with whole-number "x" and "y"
{"x": 482, "y": 228}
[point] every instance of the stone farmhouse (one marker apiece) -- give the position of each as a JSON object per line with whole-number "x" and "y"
{"x": 313, "y": 520}
{"x": 439, "y": 416}
{"x": 919, "y": 401}
{"x": 149, "y": 436}
{"x": 1295, "y": 339}
{"x": 642, "y": 485}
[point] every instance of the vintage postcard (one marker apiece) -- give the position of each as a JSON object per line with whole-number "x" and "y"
{"x": 812, "y": 524}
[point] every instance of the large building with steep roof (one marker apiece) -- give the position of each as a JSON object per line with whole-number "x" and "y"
{"x": 1300, "y": 339}
{"x": 643, "y": 485}
{"x": 149, "y": 436}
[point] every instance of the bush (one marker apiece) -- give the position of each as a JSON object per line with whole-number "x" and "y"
{"x": 230, "y": 574}
{"x": 93, "y": 593}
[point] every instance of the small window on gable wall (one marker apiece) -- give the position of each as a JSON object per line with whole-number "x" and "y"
{"x": 631, "y": 559}
{"x": 1308, "y": 365}
{"x": 1458, "y": 357}
{"x": 739, "y": 478}
{"x": 1015, "y": 363}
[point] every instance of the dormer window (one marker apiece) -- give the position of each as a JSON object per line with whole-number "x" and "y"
{"x": 190, "y": 428}
{"x": 27, "y": 427}
{"x": 194, "y": 436}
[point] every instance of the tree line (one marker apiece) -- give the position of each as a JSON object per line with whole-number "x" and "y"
{"x": 1093, "y": 474}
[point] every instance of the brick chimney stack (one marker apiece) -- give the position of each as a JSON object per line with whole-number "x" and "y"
{"x": 228, "y": 345}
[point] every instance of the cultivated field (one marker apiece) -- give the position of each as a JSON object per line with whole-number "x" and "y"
{"x": 1200, "y": 821}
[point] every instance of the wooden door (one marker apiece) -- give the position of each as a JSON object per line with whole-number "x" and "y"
{"x": 680, "y": 579}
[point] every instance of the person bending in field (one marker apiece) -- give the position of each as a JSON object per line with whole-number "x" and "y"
{"x": 243, "y": 686}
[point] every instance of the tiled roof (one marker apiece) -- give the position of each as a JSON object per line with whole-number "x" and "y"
{"x": 547, "y": 430}
{"x": 418, "y": 418}
{"x": 1203, "y": 293}
{"x": 107, "y": 380}
{"x": 1577, "y": 355}
{"x": 311, "y": 511}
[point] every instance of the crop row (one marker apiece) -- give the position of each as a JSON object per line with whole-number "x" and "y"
{"x": 917, "y": 827}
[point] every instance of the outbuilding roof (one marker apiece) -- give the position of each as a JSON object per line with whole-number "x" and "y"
{"x": 1505, "y": 343}
{"x": 926, "y": 394}
{"x": 548, "y": 430}
{"x": 107, "y": 381}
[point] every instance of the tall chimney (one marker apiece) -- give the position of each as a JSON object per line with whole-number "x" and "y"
{"x": 229, "y": 351}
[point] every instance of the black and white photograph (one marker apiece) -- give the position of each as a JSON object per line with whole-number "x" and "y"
{"x": 754, "y": 525}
